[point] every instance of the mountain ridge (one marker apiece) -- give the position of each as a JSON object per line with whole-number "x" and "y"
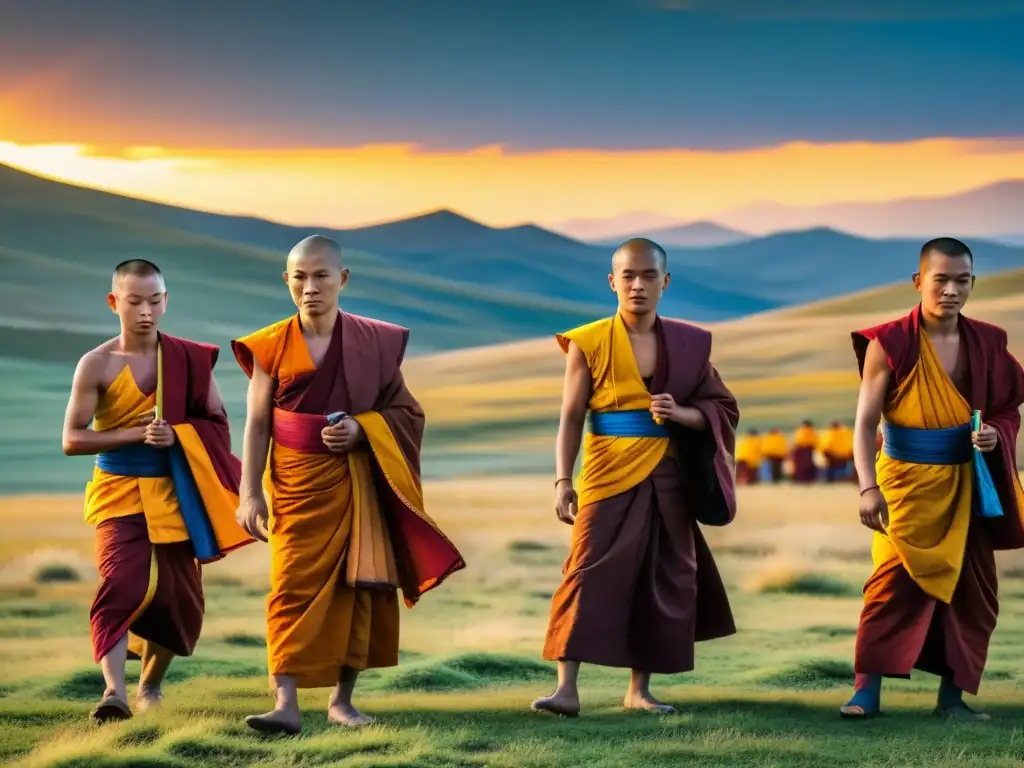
{"x": 455, "y": 282}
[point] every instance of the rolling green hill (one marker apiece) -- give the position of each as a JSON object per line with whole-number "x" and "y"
{"x": 893, "y": 298}
{"x": 454, "y": 282}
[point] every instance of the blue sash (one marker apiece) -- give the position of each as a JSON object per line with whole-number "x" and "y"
{"x": 638, "y": 423}
{"x": 141, "y": 460}
{"x": 946, "y": 447}
{"x": 135, "y": 460}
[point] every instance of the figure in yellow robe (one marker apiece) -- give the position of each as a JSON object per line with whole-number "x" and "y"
{"x": 749, "y": 457}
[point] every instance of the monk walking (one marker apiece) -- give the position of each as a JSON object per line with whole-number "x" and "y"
{"x": 749, "y": 456}
{"x": 805, "y": 443}
{"x": 944, "y": 492}
{"x": 775, "y": 450}
{"x": 640, "y": 585}
{"x": 163, "y": 491}
{"x": 341, "y": 490}
{"x": 837, "y": 449}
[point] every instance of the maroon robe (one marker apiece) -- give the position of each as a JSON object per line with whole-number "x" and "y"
{"x": 804, "y": 468}
{"x": 640, "y": 586}
{"x": 901, "y": 627}
{"x": 173, "y": 618}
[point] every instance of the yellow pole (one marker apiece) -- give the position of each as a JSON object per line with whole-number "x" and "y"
{"x": 159, "y": 382}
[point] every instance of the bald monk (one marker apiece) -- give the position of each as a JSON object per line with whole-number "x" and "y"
{"x": 749, "y": 457}
{"x": 640, "y": 585}
{"x": 944, "y": 492}
{"x": 805, "y": 443}
{"x": 163, "y": 492}
{"x": 342, "y": 494}
{"x": 775, "y": 449}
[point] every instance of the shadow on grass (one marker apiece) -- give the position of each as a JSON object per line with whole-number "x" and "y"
{"x": 87, "y": 684}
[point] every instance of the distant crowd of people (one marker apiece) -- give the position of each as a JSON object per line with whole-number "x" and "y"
{"x": 808, "y": 457}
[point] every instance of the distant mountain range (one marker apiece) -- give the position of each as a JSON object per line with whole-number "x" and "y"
{"x": 990, "y": 211}
{"x": 454, "y": 281}
{"x": 697, "y": 234}
{"x": 993, "y": 212}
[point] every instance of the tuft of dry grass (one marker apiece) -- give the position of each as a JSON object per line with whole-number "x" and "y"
{"x": 792, "y": 579}
{"x": 57, "y": 573}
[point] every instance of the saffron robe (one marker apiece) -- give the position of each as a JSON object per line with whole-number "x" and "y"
{"x": 150, "y": 582}
{"x": 805, "y": 441}
{"x": 775, "y": 449}
{"x": 931, "y": 602}
{"x": 640, "y": 585}
{"x": 346, "y": 530}
{"x": 749, "y": 457}
{"x": 837, "y": 448}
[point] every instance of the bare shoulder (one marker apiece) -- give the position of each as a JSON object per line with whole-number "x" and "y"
{"x": 574, "y": 355}
{"x": 95, "y": 366}
{"x": 876, "y": 360}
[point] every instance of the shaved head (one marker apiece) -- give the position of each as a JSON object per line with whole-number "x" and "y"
{"x": 641, "y": 246}
{"x": 639, "y": 276}
{"x": 317, "y": 245}
{"x": 945, "y": 278}
{"x": 135, "y": 268}
{"x": 138, "y": 296}
{"x": 315, "y": 275}
{"x": 944, "y": 246}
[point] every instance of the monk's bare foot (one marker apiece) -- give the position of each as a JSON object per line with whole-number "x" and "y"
{"x": 148, "y": 697}
{"x": 963, "y": 713}
{"x": 565, "y": 705}
{"x": 855, "y": 711}
{"x": 647, "y": 703}
{"x": 278, "y": 721}
{"x": 347, "y": 715}
{"x": 111, "y": 707}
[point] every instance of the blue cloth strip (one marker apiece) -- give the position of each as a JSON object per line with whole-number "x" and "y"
{"x": 140, "y": 460}
{"x": 946, "y": 447}
{"x": 193, "y": 511}
{"x": 949, "y": 446}
{"x": 986, "y": 497}
{"x": 638, "y": 423}
{"x": 135, "y": 460}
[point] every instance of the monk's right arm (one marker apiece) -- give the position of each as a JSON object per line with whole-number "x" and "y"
{"x": 77, "y": 438}
{"x": 575, "y": 397}
{"x": 259, "y": 403}
{"x": 873, "y": 387}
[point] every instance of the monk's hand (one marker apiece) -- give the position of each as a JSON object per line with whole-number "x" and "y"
{"x": 159, "y": 434}
{"x": 664, "y": 407}
{"x": 874, "y": 512}
{"x": 985, "y": 439}
{"x": 343, "y": 436}
{"x": 145, "y": 419}
{"x": 252, "y": 515}
{"x": 566, "y": 502}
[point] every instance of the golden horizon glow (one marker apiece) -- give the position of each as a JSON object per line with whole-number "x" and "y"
{"x": 370, "y": 184}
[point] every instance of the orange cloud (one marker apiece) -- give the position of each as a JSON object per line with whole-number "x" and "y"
{"x": 351, "y": 186}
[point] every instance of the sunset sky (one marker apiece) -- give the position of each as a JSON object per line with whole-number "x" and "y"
{"x": 346, "y": 113}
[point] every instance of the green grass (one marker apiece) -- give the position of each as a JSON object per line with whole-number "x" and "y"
{"x": 813, "y": 584}
{"x": 470, "y": 666}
